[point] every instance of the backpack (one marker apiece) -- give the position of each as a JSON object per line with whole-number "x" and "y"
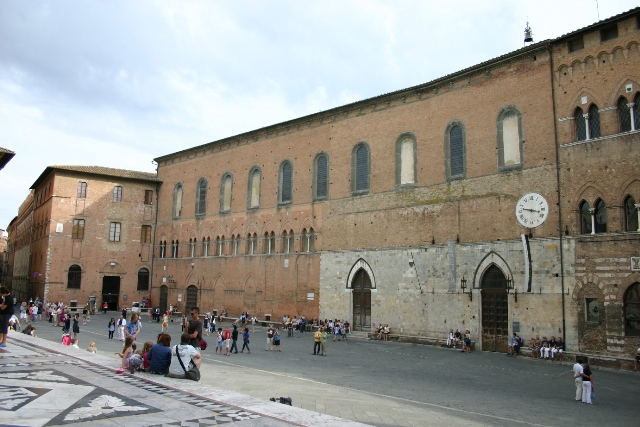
{"x": 66, "y": 339}
{"x": 227, "y": 334}
{"x": 203, "y": 344}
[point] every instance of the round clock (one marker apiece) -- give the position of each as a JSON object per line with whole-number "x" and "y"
{"x": 531, "y": 210}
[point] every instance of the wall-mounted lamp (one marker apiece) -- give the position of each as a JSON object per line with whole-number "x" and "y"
{"x": 463, "y": 285}
{"x": 192, "y": 265}
{"x": 511, "y": 285}
{"x": 113, "y": 264}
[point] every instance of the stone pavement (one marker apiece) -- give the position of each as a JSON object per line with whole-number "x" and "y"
{"x": 45, "y": 384}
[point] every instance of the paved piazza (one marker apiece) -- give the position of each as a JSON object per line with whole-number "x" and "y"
{"x": 370, "y": 382}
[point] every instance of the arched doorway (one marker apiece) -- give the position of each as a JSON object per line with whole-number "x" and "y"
{"x": 495, "y": 310}
{"x": 192, "y": 298}
{"x": 164, "y": 296}
{"x": 361, "y": 286}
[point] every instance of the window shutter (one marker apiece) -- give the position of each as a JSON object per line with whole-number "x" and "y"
{"x": 362, "y": 169}
{"x": 456, "y": 151}
{"x": 286, "y": 182}
{"x": 321, "y": 178}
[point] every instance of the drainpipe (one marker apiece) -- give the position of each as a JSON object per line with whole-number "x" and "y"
{"x": 558, "y": 191}
{"x": 153, "y": 241}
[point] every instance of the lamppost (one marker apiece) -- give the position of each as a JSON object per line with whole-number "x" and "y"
{"x": 463, "y": 285}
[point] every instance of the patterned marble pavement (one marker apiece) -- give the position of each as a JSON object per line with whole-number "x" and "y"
{"x": 42, "y": 384}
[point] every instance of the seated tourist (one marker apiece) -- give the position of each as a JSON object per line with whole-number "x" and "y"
{"x": 537, "y": 345}
{"x": 187, "y": 353}
{"x": 560, "y": 349}
{"x": 450, "y": 339}
{"x": 159, "y": 356}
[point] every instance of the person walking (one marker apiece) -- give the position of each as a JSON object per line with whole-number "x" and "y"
{"x": 578, "y": 370}
{"x": 227, "y": 340}
{"x": 245, "y": 341}
{"x": 165, "y": 322}
{"x": 587, "y": 384}
{"x": 111, "y": 327}
{"x": 234, "y": 339}
{"x": 317, "y": 340}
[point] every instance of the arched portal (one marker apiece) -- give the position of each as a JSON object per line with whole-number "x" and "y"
{"x": 192, "y": 298}
{"x": 495, "y": 310}
{"x": 361, "y": 286}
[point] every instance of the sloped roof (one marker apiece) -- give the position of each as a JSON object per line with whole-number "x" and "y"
{"x": 99, "y": 170}
{"x": 5, "y": 156}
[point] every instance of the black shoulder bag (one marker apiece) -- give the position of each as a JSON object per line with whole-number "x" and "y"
{"x": 193, "y": 373}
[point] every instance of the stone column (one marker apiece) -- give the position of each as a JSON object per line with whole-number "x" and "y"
{"x": 633, "y": 122}
{"x": 587, "y": 131}
{"x": 592, "y": 211}
{"x": 637, "y": 206}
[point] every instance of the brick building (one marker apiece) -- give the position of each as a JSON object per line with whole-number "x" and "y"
{"x": 86, "y": 234}
{"x": 403, "y": 208}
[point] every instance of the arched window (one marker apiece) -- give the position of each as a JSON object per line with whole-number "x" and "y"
{"x": 630, "y": 214}
{"x": 163, "y": 248}
{"x": 175, "y": 245}
{"x": 594, "y": 122}
{"x": 307, "y": 240}
{"x": 74, "y": 277}
{"x": 177, "y": 201}
{"x": 285, "y": 184}
{"x": 632, "y": 310}
{"x": 192, "y": 247}
{"x": 601, "y": 216}
{"x": 235, "y": 242}
{"x": 205, "y": 247}
{"x": 143, "y": 279}
{"x": 253, "y": 198}
{"x": 585, "y": 218}
{"x": 251, "y": 243}
{"x": 225, "y": 193}
{"x": 201, "y": 197}
{"x": 509, "y": 138}
{"x": 360, "y": 169}
{"x": 321, "y": 177}
{"x": 581, "y": 124}
{"x": 624, "y": 114}
{"x": 455, "y": 137}
{"x": 405, "y": 160}
{"x": 220, "y": 245}
{"x": 287, "y": 242}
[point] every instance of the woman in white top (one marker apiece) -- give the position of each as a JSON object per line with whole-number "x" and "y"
{"x": 187, "y": 353}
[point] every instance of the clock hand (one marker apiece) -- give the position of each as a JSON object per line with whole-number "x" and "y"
{"x": 530, "y": 210}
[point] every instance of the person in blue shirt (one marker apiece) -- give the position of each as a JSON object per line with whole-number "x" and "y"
{"x": 159, "y": 356}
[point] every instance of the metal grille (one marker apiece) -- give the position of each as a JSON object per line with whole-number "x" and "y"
{"x": 456, "y": 151}
{"x": 623, "y": 115}
{"x": 285, "y": 189}
{"x": 581, "y": 125}
{"x": 362, "y": 168}
{"x": 78, "y": 229}
{"x": 594, "y": 122}
{"x": 74, "y": 277}
{"x": 632, "y": 310}
{"x": 143, "y": 279}
{"x": 192, "y": 297}
{"x": 322, "y": 176}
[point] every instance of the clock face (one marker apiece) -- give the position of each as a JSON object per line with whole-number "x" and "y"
{"x": 531, "y": 210}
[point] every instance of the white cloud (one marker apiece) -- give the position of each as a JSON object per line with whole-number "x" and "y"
{"x": 118, "y": 83}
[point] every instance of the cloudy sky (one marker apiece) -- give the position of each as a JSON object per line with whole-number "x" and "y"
{"x": 117, "y": 83}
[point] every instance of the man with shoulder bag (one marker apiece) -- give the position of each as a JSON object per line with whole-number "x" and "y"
{"x": 185, "y": 360}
